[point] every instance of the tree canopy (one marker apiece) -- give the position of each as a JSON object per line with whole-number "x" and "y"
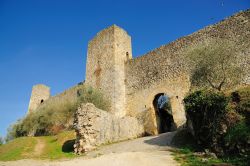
{"x": 1, "y": 140}
{"x": 214, "y": 64}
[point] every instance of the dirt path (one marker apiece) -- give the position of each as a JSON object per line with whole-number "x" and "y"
{"x": 146, "y": 151}
{"x": 39, "y": 147}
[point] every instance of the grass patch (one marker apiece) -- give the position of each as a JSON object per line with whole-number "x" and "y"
{"x": 187, "y": 157}
{"x": 55, "y": 147}
{"x": 188, "y": 153}
{"x": 19, "y": 148}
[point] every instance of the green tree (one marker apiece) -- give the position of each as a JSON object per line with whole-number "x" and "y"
{"x": 55, "y": 114}
{"x": 11, "y": 132}
{"x": 214, "y": 64}
{"x": 1, "y": 141}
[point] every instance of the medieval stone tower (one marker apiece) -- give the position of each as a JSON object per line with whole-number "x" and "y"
{"x": 39, "y": 94}
{"x": 105, "y": 70}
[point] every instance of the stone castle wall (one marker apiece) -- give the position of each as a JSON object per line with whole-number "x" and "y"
{"x": 158, "y": 72}
{"x": 95, "y": 127}
{"x": 60, "y": 100}
{"x": 164, "y": 69}
{"x": 107, "y": 54}
{"x": 69, "y": 95}
{"x": 39, "y": 94}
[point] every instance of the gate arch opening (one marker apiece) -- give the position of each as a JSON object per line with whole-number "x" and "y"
{"x": 163, "y": 112}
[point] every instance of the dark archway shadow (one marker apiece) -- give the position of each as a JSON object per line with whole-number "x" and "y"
{"x": 167, "y": 123}
{"x": 181, "y": 138}
{"x": 68, "y": 146}
{"x": 163, "y": 110}
{"x": 164, "y": 139}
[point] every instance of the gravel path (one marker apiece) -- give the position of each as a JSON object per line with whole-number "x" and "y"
{"x": 146, "y": 151}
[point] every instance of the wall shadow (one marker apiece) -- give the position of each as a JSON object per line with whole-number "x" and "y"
{"x": 181, "y": 138}
{"x": 164, "y": 139}
{"x": 68, "y": 146}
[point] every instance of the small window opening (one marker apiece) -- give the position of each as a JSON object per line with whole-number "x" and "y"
{"x": 42, "y": 101}
{"x": 127, "y": 55}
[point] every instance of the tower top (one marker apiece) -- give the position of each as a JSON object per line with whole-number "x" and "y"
{"x": 112, "y": 27}
{"x": 109, "y": 31}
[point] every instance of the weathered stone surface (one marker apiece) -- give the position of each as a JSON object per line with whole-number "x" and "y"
{"x": 39, "y": 94}
{"x": 107, "y": 53}
{"x": 148, "y": 119}
{"x": 164, "y": 69}
{"x": 95, "y": 127}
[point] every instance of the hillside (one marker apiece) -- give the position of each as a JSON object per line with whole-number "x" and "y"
{"x": 45, "y": 147}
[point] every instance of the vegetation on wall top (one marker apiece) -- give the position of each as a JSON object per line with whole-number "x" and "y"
{"x": 56, "y": 114}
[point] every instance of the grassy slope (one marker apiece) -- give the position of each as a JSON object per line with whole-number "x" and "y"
{"x": 17, "y": 149}
{"x": 56, "y": 147}
{"x": 59, "y": 146}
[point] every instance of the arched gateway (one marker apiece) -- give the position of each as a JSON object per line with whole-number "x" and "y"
{"x": 163, "y": 111}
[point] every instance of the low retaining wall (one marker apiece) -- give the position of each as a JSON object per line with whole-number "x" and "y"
{"x": 95, "y": 127}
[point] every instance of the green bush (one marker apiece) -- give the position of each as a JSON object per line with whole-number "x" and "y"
{"x": 221, "y": 123}
{"x": 1, "y": 140}
{"x": 90, "y": 95}
{"x": 239, "y": 132}
{"x": 206, "y": 110}
{"x": 237, "y": 144}
{"x": 241, "y": 98}
{"x": 56, "y": 114}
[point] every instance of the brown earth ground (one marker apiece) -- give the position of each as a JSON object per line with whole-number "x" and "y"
{"x": 39, "y": 147}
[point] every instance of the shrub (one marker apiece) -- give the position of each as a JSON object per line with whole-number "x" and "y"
{"x": 56, "y": 114}
{"x": 221, "y": 123}
{"x": 243, "y": 102}
{"x": 1, "y": 141}
{"x": 13, "y": 131}
{"x": 206, "y": 110}
{"x": 239, "y": 132}
{"x": 238, "y": 136}
{"x": 90, "y": 95}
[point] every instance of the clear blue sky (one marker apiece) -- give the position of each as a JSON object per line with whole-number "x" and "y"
{"x": 45, "y": 41}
